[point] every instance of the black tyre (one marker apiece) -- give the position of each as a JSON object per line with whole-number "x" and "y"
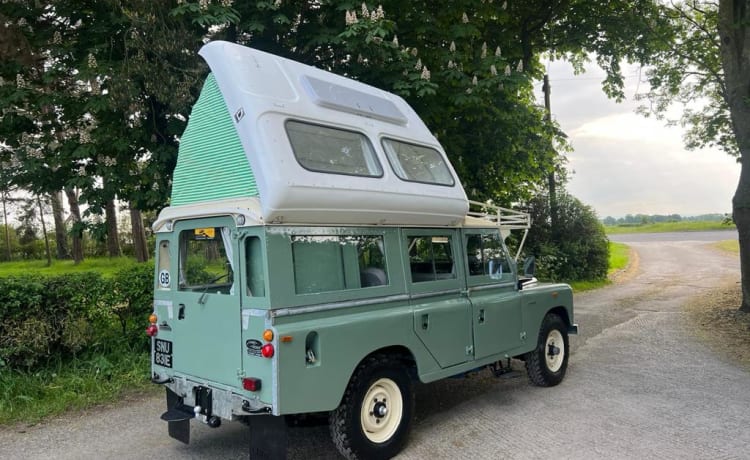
{"x": 375, "y": 414}
{"x": 547, "y": 364}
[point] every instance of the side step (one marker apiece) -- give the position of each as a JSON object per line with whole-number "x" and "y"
{"x": 505, "y": 371}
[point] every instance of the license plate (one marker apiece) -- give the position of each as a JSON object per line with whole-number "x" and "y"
{"x": 163, "y": 353}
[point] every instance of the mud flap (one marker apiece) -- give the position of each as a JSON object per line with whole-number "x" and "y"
{"x": 268, "y": 437}
{"x": 177, "y": 417}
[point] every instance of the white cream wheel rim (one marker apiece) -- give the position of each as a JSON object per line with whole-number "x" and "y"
{"x": 382, "y": 410}
{"x": 554, "y": 350}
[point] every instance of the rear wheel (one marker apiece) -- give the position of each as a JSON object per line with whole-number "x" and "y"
{"x": 547, "y": 364}
{"x": 374, "y": 417}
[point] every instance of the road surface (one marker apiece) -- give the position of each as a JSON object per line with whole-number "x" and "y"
{"x": 639, "y": 386}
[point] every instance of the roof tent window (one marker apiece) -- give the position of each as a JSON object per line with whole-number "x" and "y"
{"x": 329, "y": 150}
{"x": 416, "y": 163}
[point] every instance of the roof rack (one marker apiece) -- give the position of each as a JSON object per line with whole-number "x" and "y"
{"x": 506, "y": 219}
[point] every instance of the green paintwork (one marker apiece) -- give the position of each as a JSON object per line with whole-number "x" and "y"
{"x": 211, "y": 164}
{"x": 448, "y": 326}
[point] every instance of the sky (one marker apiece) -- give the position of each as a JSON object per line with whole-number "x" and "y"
{"x": 625, "y": 163}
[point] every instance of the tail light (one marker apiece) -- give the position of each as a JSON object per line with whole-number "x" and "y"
{"x": 267, "y": 350}
{"x": 251, "y": 384}
{"x": 152, "y": 328}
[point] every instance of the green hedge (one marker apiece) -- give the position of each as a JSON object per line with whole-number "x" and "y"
{"x": 51, "y": 318}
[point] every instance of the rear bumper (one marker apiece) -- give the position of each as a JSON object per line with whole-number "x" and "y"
{"x": 224, "y": 402}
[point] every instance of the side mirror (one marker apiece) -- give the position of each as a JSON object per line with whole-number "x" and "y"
{"x": 529, "y": 267}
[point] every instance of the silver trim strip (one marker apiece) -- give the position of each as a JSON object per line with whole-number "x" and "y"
{"x": 425, "y": 295}
{"x": 291, "y": 311}
{"x": 491, "y": 286}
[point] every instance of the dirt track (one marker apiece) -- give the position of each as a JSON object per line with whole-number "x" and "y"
{"x": 640, "y": 385}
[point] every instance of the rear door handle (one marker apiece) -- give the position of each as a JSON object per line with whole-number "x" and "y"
{"x": 425, "y": 322}
{"x": 181, "y": 312}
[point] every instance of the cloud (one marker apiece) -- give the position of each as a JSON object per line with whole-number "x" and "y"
{"x": 625, "y": 163}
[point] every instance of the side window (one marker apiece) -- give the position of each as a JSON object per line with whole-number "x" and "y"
{"x": 329, "y": 150}
{"x": 486, "y": 256}
{"x": 256, "y": 275}
{"x": 430, "y": 258}
{"x": 335, "y": 263}
{"x": 206, "y": 260}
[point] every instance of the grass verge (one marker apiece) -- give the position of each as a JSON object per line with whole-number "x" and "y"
{"x": 732, "y": 246}
{"x": 687, "y": 226}
{"x": 715, "y": 319}
{"x": 28, "y": 397}
{"x": 107, "y": 266}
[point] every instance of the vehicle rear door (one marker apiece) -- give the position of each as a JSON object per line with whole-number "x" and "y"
{"x": 206, "y": 326}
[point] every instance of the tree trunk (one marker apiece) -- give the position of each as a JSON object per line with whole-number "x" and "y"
{"x": 139, "y": 234}
{"x": 551, "y": 177}
{"x": 77, "y": 231}
{"x": 44, "y": 231}
{"x": 7, "y": 227}
{"x": 113, "y": 236}
{"x": 61, "y": 236}
{"x": 734, "y": 32}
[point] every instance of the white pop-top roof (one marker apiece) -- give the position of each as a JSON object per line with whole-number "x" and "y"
{"x": 264, "y": 92}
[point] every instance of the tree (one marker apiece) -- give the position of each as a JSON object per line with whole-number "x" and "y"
{"x": 704, "y": 66}
{"x": 734, "y": 35}
{"x": 577, "y": 249}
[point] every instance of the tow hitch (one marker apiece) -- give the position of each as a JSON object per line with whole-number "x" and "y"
{"x": 178, "y": 414}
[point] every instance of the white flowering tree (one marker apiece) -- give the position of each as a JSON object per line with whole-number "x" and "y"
{"x": 95, "y": 95}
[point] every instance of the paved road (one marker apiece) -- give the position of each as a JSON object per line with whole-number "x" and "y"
{"x": 716, "y": 235}
{"x": 638, "y": 386}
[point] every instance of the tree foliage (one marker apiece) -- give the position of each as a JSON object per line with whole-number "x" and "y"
{"x": 686, "y": 71}
{"x": 103, "y": 88}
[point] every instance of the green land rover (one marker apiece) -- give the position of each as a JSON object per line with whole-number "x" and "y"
{"x": 320, "y": 256}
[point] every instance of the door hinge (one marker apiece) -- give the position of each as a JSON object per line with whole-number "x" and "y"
{"x": 523, "y": 335}
{"x": 469, "y": 350}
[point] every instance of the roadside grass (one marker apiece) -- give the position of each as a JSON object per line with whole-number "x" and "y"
{"x": 661, "y": 227}
{"x": 106, "y": 266}
{"x": 732, "y": 246}
{"x": 81, "y": 383}
{"x": 619, "y": 258}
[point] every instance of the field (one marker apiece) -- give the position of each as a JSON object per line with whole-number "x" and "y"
{"x": 661, "y": 227}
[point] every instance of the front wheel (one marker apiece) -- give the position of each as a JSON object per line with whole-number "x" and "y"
{"x": 547, "y": 364}
{"x": 375, "y": 414}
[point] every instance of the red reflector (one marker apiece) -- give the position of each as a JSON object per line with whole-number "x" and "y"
{"x": 251, "y": 384}
{"x": 267, "y": 350}
{"x": 152, "y": 330}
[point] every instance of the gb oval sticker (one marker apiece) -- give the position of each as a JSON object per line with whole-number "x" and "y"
{"x": 164, "y": 278}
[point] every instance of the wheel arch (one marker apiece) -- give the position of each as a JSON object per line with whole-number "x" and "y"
{"x": 562, "y": 312}
{"x": 401, "y": 352}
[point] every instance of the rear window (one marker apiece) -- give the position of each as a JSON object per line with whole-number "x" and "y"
{"x": 417, "y": 163}
{"x": 206, "y": 260}
{"x": 330, "y": 150}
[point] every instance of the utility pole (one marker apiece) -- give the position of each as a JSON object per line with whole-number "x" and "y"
{"x": 551, "y": 177}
